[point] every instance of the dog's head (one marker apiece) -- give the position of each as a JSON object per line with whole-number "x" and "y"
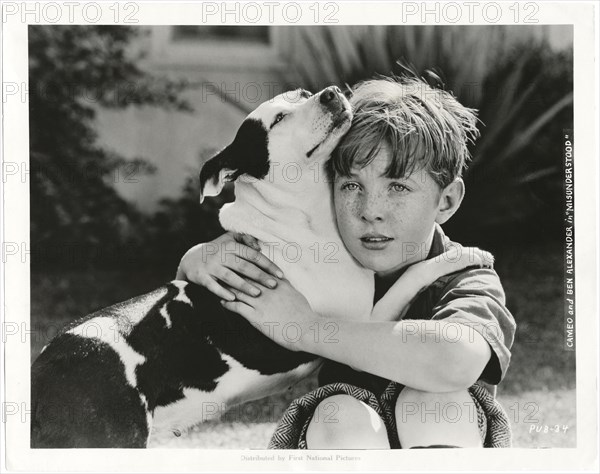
{"x": 293, "y": 128}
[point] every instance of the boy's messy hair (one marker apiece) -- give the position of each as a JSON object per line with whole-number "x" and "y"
{"x": 424, "y": 128}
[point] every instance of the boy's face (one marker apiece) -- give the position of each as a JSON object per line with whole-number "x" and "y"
{"x": 386, "y": 223}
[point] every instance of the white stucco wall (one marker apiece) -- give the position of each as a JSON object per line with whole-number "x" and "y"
{"x": 173, "y": 141}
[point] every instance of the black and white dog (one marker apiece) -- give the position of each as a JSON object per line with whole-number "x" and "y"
{"x": 158, "y": 361}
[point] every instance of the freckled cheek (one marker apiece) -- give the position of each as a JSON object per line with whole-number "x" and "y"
{"x": 347, "y": 211}
{"x": 353, "y": 208}
{"x": 391, "y": 207}
{"x": 408, "y": 223}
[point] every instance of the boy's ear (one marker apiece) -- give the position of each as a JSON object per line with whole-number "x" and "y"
{"x": 216, "y": 172}
{"x": 450, "y": 199}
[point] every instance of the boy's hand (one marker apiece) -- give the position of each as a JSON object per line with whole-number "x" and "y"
{"x": 455, "y": 259}
{"x": 221, "y": 264}
{"x": 396, "y": 302}
{"x": 274, "y": 311}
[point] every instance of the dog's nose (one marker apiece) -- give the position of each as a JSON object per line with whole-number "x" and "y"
{"x": 330, "y": 94}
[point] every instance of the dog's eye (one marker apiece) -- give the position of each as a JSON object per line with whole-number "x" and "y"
{"x": 305, "y": 94}
{"x": 278, "y": 118}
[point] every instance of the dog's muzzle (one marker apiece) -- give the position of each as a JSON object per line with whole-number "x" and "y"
{"x": 332, "y": 99}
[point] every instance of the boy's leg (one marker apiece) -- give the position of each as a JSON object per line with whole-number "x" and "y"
{"x": 425, "y": 419}
{"x": 343, "y": 422}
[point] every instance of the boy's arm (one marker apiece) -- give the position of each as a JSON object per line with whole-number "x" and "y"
{"x": 468, "y": 337}
{"x": 433, "y": 356}
{"x": 429, "y": 355}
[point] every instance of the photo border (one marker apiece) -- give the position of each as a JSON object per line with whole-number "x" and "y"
{"x": 18, "y": 456}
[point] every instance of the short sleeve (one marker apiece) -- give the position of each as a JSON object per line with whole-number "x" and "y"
{"x": 476, "y": 298}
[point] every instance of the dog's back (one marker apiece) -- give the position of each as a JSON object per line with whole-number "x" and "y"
{"x": 81, "y": 398}
{"x": 160, "y": 361}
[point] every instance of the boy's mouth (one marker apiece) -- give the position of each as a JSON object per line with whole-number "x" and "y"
{"x": 375, "y": 241}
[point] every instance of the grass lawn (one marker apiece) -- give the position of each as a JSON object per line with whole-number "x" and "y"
{"x": 538, "y": 391}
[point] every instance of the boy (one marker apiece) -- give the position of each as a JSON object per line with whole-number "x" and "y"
{"x": 397, "y": 177}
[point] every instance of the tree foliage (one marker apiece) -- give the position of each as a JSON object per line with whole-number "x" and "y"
{"x": 73, "y": 70}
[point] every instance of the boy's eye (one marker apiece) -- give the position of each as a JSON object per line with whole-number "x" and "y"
{"x": 350, "y": 186}
{"x": 278, "y": 118}
{"x": 399, "y": 188}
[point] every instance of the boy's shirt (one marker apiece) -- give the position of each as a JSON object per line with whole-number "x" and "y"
{"x": 473, "y": 297}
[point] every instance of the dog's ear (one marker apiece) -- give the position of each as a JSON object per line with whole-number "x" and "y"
{"x": 216, "y": 172}
{"x": 247, "y": 154}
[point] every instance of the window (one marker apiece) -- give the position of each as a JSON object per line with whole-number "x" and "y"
{"x": 220, "y": 46}
{"x": 252, "y": 34}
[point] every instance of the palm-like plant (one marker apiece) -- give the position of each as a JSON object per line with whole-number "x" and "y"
{"x": 522, "y": 89}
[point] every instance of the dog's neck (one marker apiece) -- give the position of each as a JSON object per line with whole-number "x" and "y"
{"x": 267, "y": 210}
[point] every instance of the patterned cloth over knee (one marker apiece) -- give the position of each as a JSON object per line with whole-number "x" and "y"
{"x": 494, "y": 425}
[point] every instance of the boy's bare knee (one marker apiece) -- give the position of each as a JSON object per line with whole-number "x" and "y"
{"x": 436, "y": 406}
{"x": 343, "y": 422}
{"x": 426, "y": 418}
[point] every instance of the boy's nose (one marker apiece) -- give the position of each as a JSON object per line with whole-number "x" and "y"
{"x": 370, "y": 217}
{"x": 371, "y": 211}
